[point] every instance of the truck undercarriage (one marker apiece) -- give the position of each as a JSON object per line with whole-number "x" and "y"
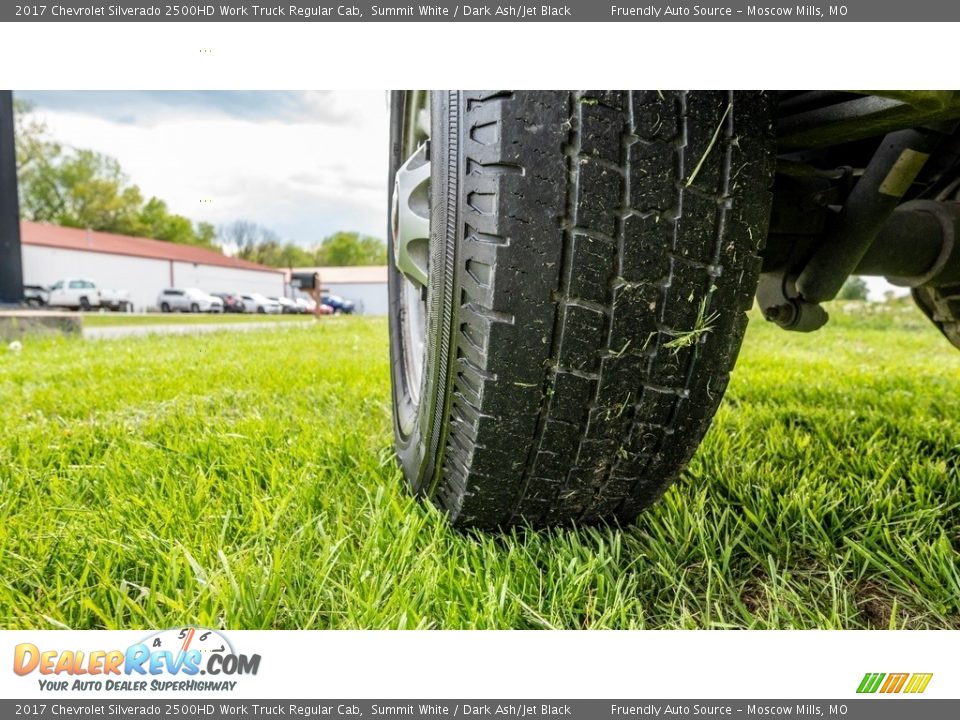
{"x": 866, "y": 184}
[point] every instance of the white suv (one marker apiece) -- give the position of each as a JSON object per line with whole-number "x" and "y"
{"x": 189, "y": 300}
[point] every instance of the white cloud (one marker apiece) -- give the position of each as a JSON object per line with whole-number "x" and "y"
{"x": 303, "y": 178}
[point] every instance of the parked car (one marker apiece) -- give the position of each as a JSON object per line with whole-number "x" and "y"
{"x": 339, "y": 304}
{"x": 307, "y": 305}
{"x": 36, "y": 295}
{"x": 188, "y": 300}
{"x": 287, "y": 306}
{"x": 260, "y": 304}
{"x": 232, "y": 303}
{"x": 74, "y": 293}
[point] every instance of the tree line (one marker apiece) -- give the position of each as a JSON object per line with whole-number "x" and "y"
{"x": 250, "y": 241}
{"x": 86, "y": 189}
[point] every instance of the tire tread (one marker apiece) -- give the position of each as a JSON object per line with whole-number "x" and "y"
{"x": 578, "y": 265}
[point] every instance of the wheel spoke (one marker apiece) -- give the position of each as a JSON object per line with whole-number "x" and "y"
{"x": 410, "y": 242}
{"x": 411, "y": 217}
{"x": 423, "y": 122}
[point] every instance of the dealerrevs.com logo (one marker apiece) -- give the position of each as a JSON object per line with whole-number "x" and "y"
{"x": 169, "y": 660}
{"x": 892, "y": 683}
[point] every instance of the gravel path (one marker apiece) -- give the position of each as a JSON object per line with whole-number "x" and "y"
{"x": 119, "y": 331}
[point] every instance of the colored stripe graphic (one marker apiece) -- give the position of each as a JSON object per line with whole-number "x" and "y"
{"x": 894, "y": 683}
{"x": 918, "y": 682}
{"x": 870, "y": 682}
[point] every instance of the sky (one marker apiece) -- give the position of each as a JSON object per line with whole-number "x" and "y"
{"x": 304, "y": 164}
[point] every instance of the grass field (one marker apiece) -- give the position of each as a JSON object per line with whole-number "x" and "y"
{"x": 246, "y": 481}
{"x": 122, "y": 319}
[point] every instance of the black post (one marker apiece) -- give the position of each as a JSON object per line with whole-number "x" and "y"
{"x": 11, "y": 263}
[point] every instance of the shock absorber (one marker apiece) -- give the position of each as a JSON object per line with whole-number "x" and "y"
{"x": 871, "y": 234}
{"x": 890, "y": 173}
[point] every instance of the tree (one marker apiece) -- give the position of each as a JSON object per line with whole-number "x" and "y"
{"x": 156, "y": 221}
{"x": 207, "y": 234}
{"x": 259, "y": 244}
{"x": 87, "y": 189}
{"x": 350, "y": 248}
{"x": 855, "y": 288}
{"x": 92, "y": 192}
{"x": 36, "y": 153}
{"x": 243, "y": 238}
{"x": 30, "y": 136}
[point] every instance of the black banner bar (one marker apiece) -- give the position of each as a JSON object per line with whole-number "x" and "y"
{"x": 510, "y": 11}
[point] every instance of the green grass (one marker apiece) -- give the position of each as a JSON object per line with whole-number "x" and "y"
{"x": 246, "y": 481}
{"x": 123, "y": 319}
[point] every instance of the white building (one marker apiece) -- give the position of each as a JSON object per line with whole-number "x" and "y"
{"x": 140, "y": 266}
{"x": 366, "y": 285}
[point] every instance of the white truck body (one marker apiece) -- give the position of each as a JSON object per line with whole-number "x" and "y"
{"x": 82, "y": 294}
{"x": 74, "y": 293}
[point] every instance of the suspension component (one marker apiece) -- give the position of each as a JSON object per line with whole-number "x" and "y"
{"x": 918, "y": 246}
{"x": 892, "y": 170}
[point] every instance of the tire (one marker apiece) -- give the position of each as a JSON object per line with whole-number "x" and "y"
{"x": 260, "y": 310}
{"x": 194, "y": 308}
{"x": 592, "y": 257}
{"x": 164, "y": 307}
{"x": 84, "y": 304}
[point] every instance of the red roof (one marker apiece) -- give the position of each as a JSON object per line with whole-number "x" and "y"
{"x": 33, "y": 233}
{"x": 352, "y": 274}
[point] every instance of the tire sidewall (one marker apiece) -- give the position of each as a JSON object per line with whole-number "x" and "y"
{"x": 418, "y": 427}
